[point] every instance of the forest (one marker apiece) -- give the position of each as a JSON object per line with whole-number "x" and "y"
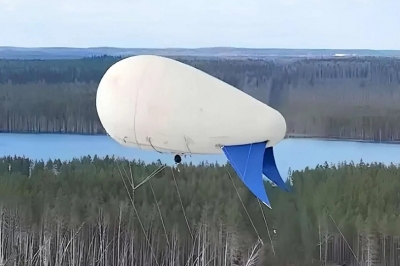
{"x": 348, "y": 98}
{"x": 93, "y": 211}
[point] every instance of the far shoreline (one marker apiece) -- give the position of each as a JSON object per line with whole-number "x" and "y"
{"x": 304, "y": 136}
{"x": 288, "y": 136}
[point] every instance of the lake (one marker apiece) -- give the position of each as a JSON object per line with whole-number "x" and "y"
{"x": 290, "y": 153}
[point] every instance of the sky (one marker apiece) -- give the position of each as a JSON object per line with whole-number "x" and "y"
{"x": 326, "y": 24}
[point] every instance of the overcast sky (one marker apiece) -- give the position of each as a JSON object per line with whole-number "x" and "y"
{"x": 371, "y": 24}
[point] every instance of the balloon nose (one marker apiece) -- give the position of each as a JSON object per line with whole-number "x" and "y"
{"x": 278, "y": 123}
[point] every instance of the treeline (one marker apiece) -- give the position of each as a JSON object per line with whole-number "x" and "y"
{"x": 375, "y": 69}
{"x": 81, "y": 213}
{"x": 354, "y": 98}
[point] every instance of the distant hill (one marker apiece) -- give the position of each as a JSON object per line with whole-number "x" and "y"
{"x": 75, "y": 53}
{"x": 335, "y": 98}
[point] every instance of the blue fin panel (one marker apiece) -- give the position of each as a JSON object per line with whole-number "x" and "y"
{"x": 247, "y": 160}
{"x": 270, "y": 170}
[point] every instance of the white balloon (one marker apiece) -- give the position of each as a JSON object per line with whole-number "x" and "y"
{"x": 156, "y": 103}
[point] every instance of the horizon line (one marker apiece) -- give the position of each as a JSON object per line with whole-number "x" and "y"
{"x": 193, "y": 48}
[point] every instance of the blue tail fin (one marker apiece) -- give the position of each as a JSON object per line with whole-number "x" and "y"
{"x": 250, "y": 161}
{"x": 270, "y": 170}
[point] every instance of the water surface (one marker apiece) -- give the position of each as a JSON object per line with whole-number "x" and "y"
{"x": 290, "y": 153}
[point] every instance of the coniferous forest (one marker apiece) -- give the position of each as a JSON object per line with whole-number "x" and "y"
{"x": 93, "y": 211}
{"x": 85, "y": 212}
{"x": 354, "y": 98}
